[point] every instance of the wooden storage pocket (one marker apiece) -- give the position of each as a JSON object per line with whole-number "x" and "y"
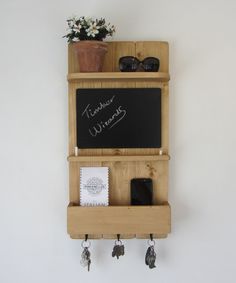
{"x": 113, "y": 220}
{"x": 123, "y": 168}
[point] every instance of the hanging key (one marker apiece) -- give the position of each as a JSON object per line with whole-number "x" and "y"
{"x": 86, "y": 255}
{"x": 118, "y": 249}
{"x": 150, "y": 257}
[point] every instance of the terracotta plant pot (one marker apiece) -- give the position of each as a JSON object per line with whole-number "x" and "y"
{"x": 90, "y": 54}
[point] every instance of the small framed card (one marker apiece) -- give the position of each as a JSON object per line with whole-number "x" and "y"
{"x": 94, "y": 186}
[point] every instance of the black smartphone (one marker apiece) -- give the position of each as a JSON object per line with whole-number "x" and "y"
{"x": 141, "y": 191}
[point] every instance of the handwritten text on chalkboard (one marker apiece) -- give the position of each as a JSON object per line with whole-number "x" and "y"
{"x": 99, "y": 126}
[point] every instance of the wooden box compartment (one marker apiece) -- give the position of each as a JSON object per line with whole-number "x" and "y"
{"x": 107, "y": 221}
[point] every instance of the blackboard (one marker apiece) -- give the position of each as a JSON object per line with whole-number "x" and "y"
{"x": 118, "y": 118}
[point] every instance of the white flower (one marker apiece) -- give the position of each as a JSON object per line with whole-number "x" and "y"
{"x": 87, "y": 28}
{"x": 92, "y": 30}
{"x": 110, "y": 29}
{"x": 72, "y": 21}
{"x": 75, "y": 39}
{"x": 76, "y": 28}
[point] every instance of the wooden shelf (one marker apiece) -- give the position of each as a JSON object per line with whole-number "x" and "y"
{"x": 113, "y": 220}
{"x": 124, "y": 158}
{"x": 154, "y": 76}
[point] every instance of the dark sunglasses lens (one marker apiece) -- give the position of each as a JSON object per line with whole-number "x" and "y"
{"x": 151, "y": 64}
{"x": 128, "y": 64}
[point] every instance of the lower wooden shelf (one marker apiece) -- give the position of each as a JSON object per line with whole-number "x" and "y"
{"x": 113, "y": 220}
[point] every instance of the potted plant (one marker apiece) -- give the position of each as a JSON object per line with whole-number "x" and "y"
{"x": 87, "y": 35}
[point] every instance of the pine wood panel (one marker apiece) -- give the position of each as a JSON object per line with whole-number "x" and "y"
{"x": 143, "y": 76}
{"x": 122, "y": 158}
{"x": 119, "y": 220}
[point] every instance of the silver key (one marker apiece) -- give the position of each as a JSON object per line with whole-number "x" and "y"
{"x": 150, "y": 257}
{"x": 118, "y": 249}
{"x": 86, "y": 255}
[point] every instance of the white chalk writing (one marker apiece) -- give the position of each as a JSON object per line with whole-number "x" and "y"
{"x": 89, "y": 112}
{"x": 110, "y": 123}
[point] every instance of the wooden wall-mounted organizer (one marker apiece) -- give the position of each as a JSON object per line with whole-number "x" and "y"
{"x": 124, "y": 164}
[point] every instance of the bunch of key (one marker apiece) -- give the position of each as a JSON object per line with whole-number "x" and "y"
{"x": 118, "y": 249}
{"x": 150, "y": 257}
{"x": 86, "y": 255}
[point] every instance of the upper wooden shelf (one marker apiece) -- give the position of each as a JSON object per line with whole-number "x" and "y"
{"x": 124, "y": 158}
{"x": 154, "y": 76}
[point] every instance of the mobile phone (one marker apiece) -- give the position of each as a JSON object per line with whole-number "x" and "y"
{"x": 141, "y": 191}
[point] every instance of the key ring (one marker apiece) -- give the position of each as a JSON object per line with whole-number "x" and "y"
{"x": 85, "y": 243}
{"x": 151, "y": 242}
{"x": 118, "y": 241}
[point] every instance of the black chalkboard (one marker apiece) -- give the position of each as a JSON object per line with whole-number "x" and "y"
{"x": 118, "y": 118}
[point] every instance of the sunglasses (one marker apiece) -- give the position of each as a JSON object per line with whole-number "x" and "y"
{"x": 131, "y": 64}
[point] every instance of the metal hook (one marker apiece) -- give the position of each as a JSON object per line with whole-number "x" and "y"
{"x": 118, "y": 237}
{"x": 85, "y": 243}
{"x": 151, "y": 242}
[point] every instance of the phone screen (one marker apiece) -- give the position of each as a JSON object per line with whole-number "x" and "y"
{"x": 141, "y": 191}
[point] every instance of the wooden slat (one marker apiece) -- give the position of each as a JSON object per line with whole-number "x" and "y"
{"x": 122, "y": 158}
{"x": 119, "y": 220}
{"x": 156, "y": 76}
{"x": 113, "y": 236}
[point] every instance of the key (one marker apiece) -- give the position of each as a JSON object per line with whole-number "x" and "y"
{"x": 150, "y": 257}
{"x": 85, "y": 258}
{"x": 118, "y": 249}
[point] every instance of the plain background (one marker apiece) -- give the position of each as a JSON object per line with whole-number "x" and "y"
{"x": 34, "y": 246}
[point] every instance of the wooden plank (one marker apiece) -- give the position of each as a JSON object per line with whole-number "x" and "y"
{"x": 74, "y": 182}
{"x": 122, "y": 158}
{"x": 72, "y": 117}
{"x": 165, "y": 117}
{"x": 155, "y": 236}
{"x": 119, "y": 220}
{"x": 90, "y": 236}
{"x": 156, "y": 76}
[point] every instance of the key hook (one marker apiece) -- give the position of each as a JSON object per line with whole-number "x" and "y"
{"x": 151, "y": 242}
{"x": 118, "y": 241}
{"x": 85, "y": 243}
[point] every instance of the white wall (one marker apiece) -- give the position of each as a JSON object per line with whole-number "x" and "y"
{"x": 34, "y": 246}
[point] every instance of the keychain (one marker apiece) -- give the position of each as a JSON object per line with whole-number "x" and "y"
{"x": 85, "y": 256}
{"x": 150, "y": 257}
{"x": 118, "y": 249}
